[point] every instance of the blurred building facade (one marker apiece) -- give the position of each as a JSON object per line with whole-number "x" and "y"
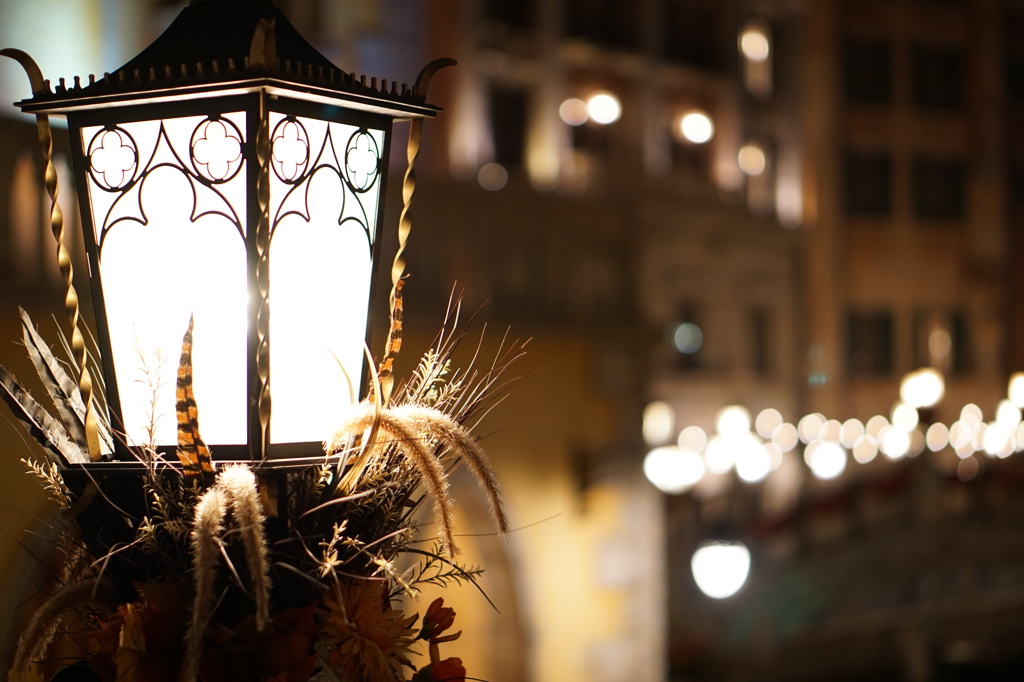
{"x": 853, "y": 216}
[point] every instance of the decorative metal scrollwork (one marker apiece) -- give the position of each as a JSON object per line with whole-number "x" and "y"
{"x": 362, "y": 161}
{"x": 290, "y": 157}
{"x": 216, "y": 150}
{"x": 113, "y": 159}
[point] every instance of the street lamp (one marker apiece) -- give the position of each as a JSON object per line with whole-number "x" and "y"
{"x": 232, "y": 176}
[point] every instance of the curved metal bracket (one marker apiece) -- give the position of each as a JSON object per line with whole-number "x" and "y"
{"x": 32, "y": 70}
{"x": 423, "y": 80}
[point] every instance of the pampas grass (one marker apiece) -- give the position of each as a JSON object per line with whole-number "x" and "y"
{"x": 344, "y": 521}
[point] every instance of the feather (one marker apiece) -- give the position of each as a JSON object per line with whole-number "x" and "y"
{"x": 384, "y": 378}
{"x": 62, "y": 389}
{"x": 99, "y": 388}
{"x": 192, "y": 451}
{"x": 49, "y": 432}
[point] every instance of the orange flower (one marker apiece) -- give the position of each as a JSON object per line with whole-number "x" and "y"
{"x": 438, "y": 619}
{"x": 448, "y": 670}
{"x": 368, "y": 639}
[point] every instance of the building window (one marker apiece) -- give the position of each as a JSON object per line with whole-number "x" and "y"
{"x": 867, "y": 71}
{"x": 761, "y": 355}
{"x": 939, "y": 188}
{"x": 694, "y": 35}
{"x": 1015, "y": 76}
{"x": 509, "y": 108}
{"x": 869, "y": 343}
{"x": 604, "y": 21}
{"x": 519, "y": 14}
{"x": 937, "y": 76}
{"x": 1016, "y": 184}
{"x": 867, "y": 181}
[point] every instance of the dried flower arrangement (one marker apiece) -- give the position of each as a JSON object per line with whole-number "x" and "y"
{"x": 189, "y": 571}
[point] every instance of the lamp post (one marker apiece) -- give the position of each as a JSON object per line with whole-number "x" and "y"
{"x": 231, "y": 176}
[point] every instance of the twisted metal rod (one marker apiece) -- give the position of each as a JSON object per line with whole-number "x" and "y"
{"x": 263, "y": 152}
{"x": 71, "y": 306}
{"x": 412, "y": 151}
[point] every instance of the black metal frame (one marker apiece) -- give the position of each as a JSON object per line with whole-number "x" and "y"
{"x": 212, "y": 107}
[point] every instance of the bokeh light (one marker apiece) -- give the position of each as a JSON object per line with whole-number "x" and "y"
{"x": 752, "y": 159}
{"x": 733, "y": 421}
{"x": 604, "y": 108}
{"x": 826, "y": 460}
{"x": 492, "y": 177}
{"x": 720, "y": 568}
{"x": 754, "y": 44}
{"x": 659, "y": 421}
{"x": 673, "y": 470}
{"x": 574, "y": 111}
{"x": 687, "y": 338}
{"x": 696, "y": 127}
{"x": 767, "y": 421}
{"x": 785, "y": 437}
{"x": 693, "y": 438}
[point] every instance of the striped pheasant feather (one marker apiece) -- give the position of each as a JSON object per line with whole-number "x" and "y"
{"x": 387, "y": 365}
{"x": 192, "y": 451}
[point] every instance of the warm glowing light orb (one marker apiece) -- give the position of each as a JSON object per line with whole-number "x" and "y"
{"x": 574, "y": 111}
{"x": 937, "y": 437}
{"x": 733, "y": 421}
{"x": 720, "y": 569}
{"x": 673, "y": 470}
{"x": 767, "y": 421}
{"x": 753, "y": 462}
{"x": 719, "y": 456}
{"x": 1015, "y": 389}
{"x": 754, "y": 44}
{"x": 827, "y": 460}
{"x": 851, "y": 432}
{"x": 752, "y": 159}
{"x": 895, "y": 442}
{"x": 865, "y": 449}
{"x": 785, "y": 437}
{"x": 810, "y": 426}
{"x": 604, "y": 108}
{"x": 904, "y": 417}
{"x": 1008, "y": 415}
{"x": 658, "y": 423}
{"x": 696, "y": 127}
{"x": 693, "y": 438}
{"x": 923, "y": 387}
{"x": 492, "y": 177}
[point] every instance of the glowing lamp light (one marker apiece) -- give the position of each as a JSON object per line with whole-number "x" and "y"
{"x": 827, "y": 460}
{"x": 754, "y": 44}
{"x": 604, "y": 108}
{"x": 659, "y": 421}
{"x": 492, "y": 176}
{"x": 238, "y": 184}
{"x": 696, "y": 127}
{"x": 752, "y": 159}
{"x": 922, "y": 388}
{"x": 733, "y": 421}
{"x": 720, "y": 569}
{"x": 753, "y": 461}
{"x": 673, "y": 470}
{"x": 1015, "y": 389}
{"x": 574, "y": 111}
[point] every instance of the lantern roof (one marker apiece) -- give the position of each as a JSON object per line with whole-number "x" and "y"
{"x": 223, "y": 47}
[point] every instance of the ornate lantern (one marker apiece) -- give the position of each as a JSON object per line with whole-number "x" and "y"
{"x": 231, "y": 176}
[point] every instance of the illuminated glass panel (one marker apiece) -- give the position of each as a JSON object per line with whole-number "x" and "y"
{"x": 324, "y": 196}
{"x": 168, "y": 210}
